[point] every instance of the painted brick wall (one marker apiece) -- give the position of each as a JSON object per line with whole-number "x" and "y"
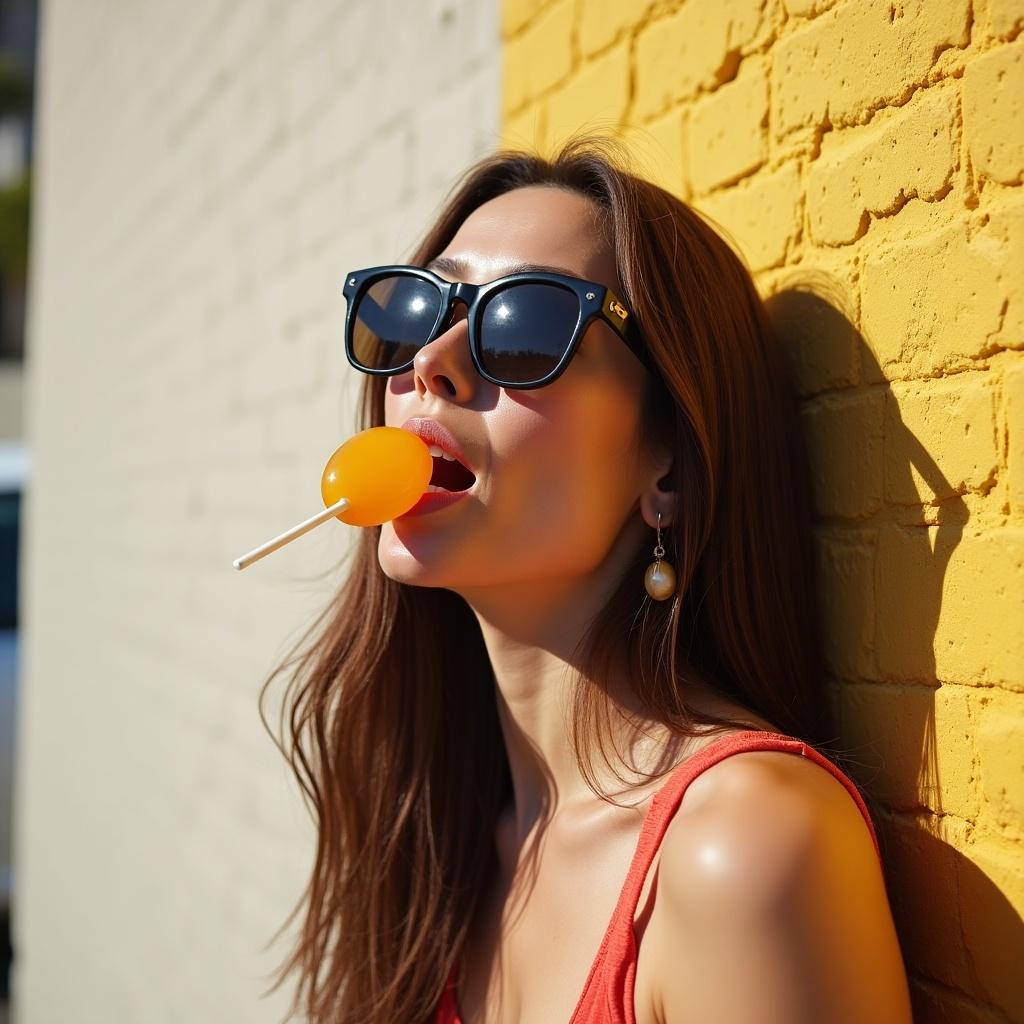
{"x": 867, "y": 158}
{"x": 207, "y": 173}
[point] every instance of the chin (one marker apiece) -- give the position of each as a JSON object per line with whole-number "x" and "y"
{"x": 400, "y": 564}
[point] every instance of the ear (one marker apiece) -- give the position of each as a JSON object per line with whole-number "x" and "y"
{"x": 657, "y": 495}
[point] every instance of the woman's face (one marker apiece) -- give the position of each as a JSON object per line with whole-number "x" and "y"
{"x": 558, "y": 476}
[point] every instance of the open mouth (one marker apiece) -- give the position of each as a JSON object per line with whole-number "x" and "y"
{"x": 450, "y": 475}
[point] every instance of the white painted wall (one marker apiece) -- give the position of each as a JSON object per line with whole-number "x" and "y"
{"x": 207, "y": 173}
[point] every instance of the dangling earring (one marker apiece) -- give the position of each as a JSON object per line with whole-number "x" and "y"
{"x": 660, "y": 578}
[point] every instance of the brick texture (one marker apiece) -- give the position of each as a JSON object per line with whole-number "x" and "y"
{"x": 206, "y": 173}
{"x": 866, "y": 161}
{"x": 728, "y": 130}
{"x": 993, "y": 115}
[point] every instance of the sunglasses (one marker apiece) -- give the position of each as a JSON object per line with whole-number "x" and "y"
{"x": 523, "y": 328}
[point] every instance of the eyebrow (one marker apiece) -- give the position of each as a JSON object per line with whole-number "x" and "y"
{"x": 454, "y": 265}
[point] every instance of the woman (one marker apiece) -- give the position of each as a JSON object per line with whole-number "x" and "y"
{"x": 477, "y": 861}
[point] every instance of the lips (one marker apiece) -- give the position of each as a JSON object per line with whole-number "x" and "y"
{"x": 433, "y": 432}
{"x": 451, "y": 479}
{"x": 434, "y": 501}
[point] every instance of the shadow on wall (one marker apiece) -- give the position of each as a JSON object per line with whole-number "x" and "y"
{"x": 883, "y": 546}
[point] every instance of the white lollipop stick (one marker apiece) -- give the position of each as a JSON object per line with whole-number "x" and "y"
{"x": 288, "y": 535}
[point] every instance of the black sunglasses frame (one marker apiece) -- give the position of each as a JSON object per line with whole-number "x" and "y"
{"x": 595, "y": 301}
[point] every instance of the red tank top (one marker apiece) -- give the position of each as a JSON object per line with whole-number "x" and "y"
{"x": 607, "y": 996}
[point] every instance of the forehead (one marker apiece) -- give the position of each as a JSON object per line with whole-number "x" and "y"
{"x": 534, "y": 224}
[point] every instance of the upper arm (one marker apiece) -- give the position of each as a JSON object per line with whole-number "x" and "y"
{"x": 771, "y": 905}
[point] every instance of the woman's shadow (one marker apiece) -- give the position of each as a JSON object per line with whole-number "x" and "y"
{"x": 887, "y": 525}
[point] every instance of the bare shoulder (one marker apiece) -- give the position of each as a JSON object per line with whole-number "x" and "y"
{"x": 771, "y": 903}
{"x": 764, "y": 812}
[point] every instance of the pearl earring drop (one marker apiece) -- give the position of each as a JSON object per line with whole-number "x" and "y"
{"x": 660, "y": 578}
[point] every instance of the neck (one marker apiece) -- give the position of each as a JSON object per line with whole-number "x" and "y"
{"x": 531, "y": 631}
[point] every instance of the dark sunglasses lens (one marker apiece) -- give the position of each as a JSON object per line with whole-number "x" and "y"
{"x": 392, "y": 320}
{"x": 525, "y": 330}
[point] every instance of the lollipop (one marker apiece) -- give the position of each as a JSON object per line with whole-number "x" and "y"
{"x": 378, "y": 474}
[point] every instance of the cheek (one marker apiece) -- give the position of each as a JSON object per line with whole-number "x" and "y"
{"x": 569, "y": 471}
{"x": 603, "y": 421}
{"x": 390, "y": 413}
{"x": 604, "y": 426}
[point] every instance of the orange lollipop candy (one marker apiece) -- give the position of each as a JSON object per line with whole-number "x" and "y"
{"x": 376, "y": 475}
{"x": 383, "y": 471}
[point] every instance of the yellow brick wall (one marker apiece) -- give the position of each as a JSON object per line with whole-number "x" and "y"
{"x": 866, "y": 159}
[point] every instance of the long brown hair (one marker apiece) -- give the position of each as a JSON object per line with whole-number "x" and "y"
{"x": 393, "y": 730}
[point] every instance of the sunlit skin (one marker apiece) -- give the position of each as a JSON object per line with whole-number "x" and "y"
{"x": 562, "y": 504}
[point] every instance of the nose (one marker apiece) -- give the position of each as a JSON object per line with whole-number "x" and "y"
{"x": 445, "y": 364}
